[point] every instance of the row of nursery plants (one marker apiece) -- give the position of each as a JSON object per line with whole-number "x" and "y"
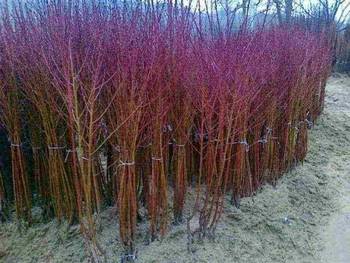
{"x": 134, "y": 105}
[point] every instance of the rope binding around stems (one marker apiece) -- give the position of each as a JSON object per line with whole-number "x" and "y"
{"x": 246, "y": 144}
{"x": 157, "y": 159}
{"x": 55, "y": 147}
{"x": 68, "y": 151}
{"x": 126, "y": 163}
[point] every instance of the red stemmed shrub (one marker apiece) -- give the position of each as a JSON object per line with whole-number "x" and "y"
{"x": 140, "y": 103}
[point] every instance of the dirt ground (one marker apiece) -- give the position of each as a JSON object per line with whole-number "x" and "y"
{"x": 305, "y": 218}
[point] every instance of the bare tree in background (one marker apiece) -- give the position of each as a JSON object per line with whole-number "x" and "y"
{"x": 278, "y": 10}
{"x": 327, "y": 16}
{"x": 288, "y": 10}
{"x": 327, "y": 13}
{"x": 284, "y": 10}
